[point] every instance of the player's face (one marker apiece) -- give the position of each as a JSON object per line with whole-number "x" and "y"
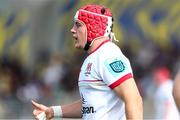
{"x": 79, "y": 34}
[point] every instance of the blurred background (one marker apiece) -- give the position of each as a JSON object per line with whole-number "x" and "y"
{"x": 38, "y": 60}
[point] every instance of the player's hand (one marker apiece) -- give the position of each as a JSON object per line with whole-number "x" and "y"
{"x": 42, "y": 112}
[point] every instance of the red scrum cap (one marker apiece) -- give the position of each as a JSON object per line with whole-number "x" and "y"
{"x": 98, "y": 21}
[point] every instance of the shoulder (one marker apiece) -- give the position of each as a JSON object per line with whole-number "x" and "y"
{"x": 111, "y": 53}
{"x": 111, "y": 49}
{"x": 113, "y": 46}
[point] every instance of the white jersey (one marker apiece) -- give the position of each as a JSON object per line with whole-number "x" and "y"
{"x": 104, "y": 69}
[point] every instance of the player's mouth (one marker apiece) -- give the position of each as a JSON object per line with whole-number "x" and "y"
{"x": 75, "y": 37}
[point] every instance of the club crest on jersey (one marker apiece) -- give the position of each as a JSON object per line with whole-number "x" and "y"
{"x": 88, "y": 69}
{"x": 117, "y": 66}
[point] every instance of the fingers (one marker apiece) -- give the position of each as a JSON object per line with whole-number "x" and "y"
{"x": 37, "y": 112}
{"x": 41, "y": 116}
{"x": 38, "y": 106}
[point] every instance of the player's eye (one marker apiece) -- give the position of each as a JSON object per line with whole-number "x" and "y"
{"x": 77, "y": 24}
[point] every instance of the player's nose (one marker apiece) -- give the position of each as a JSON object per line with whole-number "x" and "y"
{"x": 73, "y": 30}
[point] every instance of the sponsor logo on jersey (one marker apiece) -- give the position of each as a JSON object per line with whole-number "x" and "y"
{"x": 88, "y": 110}
{"x": 88, "y": 69}
{"x": 117, "y": 66}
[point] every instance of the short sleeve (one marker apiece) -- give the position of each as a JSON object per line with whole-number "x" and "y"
{"x": 115, "y": 69}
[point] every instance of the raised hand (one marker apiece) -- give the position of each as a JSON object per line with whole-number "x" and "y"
{"x": 42, "y": 112}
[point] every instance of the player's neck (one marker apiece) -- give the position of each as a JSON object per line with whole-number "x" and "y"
{"x": 96, "y": 43}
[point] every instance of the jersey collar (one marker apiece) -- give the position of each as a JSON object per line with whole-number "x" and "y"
{"x": 99, "y": 46}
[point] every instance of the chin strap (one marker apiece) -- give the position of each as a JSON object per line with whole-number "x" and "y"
{"x": 87, "y": 45}
{"x": 113, "y": 37}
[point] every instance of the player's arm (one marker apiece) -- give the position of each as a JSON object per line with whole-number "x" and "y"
{"x": 129, "y": 93}
{"x": 72, "y": 110}
{"x": 176, "y": 90}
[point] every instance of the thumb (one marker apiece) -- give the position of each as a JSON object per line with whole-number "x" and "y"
{"x": 38, "y": 106}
